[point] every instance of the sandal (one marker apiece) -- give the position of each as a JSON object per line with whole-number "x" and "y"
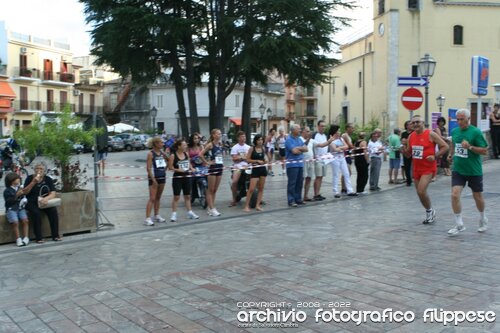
{"x": 41, "y": 241}
{"x": 58, "y": 239}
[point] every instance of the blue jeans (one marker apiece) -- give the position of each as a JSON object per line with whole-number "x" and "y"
{"x": 294, "y": 188}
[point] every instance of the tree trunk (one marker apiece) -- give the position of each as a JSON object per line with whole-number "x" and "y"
{"x": 246, "y": 109}
{"x": 179, "y": 89}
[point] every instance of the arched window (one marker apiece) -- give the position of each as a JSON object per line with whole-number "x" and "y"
{"x": 458, "y": 35}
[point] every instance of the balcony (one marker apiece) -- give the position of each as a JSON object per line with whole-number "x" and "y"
{"x": 58, "y": 79}
{"x": 67, "y": 77}
{"x": 28, "y": 105}
{"x": 25, "y": 74}
{"x": 310, "y": 113}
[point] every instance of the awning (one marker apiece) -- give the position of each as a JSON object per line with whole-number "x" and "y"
{"x": 6, "y": 90}
{"x": 236, "y": 121}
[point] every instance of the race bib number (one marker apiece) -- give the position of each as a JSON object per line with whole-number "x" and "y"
{"x": 417, "y": 152}
{"x": 160, "y": 163}
{"x": 219, "y": 159}
{"x": 461, "y": 151}
{"x": 184, "y": 165}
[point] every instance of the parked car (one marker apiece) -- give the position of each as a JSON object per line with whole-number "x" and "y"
{"x": 144, "y": 139}
{"x": 78, "y": 148}
{"x": 131, "y": 141}
{"x": 115, "y": 144}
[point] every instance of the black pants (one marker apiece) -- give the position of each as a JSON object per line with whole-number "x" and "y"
{"x": 407, "y": 162}
{"x": 36, "y": 217}
{"x": 362, "y": 171}
{"x": 495, "y": 141}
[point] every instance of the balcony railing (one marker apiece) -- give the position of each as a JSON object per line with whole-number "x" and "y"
{"x": 310, "y": 113}
{"x": 27, "y": 105}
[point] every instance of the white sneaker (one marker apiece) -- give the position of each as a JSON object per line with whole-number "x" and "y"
{"x": 26, "y": 240}
{"x": 483, "y": 225}
{"x": 19, "y": 242}
{"x": 214, "y": 212}
{"x": 192, "y": 215}
{"x": 430, "y": 217}
{"x": 456, "y": 230}
{"x": 148, "y": 222}
{"x": 173, "y": 217}
{"x": 159, "y": 219}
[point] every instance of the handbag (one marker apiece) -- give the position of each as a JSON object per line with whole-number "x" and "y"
{"x": 54, "y": 202}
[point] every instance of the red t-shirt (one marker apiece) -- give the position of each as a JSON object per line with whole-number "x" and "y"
{"x": 421, "y": 146}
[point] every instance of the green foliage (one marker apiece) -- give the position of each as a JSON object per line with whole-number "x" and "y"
{"x": 55, "y": 140}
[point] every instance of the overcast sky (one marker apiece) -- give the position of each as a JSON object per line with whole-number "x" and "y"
{"x": 64, "y": 20}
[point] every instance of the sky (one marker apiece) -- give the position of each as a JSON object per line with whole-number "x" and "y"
{"x": 63, "y": 20}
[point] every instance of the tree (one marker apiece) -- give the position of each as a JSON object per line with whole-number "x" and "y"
{"x": 55, "y": 140}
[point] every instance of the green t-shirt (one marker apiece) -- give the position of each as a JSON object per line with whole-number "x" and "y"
{"x": 395, "y": 144}
{"x": 465, "y": 161}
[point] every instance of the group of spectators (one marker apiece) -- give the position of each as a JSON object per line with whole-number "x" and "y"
{"x": 305, "y": 155}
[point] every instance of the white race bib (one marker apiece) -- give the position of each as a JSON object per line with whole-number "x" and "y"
{"x": 184, "y": 165}
{"x": 160, "y": 163}
{"x": 417, "y": 152}
{"x": 460, "y": 151}
{"x": 219, "y": 159}
{"x": 281, "y": 145}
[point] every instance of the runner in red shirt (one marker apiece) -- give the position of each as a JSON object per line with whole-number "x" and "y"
{"x": 421, "y": 146}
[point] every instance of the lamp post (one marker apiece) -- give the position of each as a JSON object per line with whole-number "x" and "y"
{"x": 426, "y": 67}
{"x": 269, "y": 114}
{"x": 178, "y": 124}
{"x": 154, "y": 112}
{"x": 440, "y": 102}
{"x": 262, "y": 110}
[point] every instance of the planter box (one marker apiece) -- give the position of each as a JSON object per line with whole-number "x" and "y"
{"x": 76, "y": 215}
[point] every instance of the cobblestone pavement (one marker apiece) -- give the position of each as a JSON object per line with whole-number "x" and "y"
{"x": 370, "y": 253}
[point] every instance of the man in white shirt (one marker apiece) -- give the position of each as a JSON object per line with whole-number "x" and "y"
{"x": 320, "y": 148}
{"x": 239, "y": 156}
{"x": 309, "y": 163}
{"x": 376, "y": 150}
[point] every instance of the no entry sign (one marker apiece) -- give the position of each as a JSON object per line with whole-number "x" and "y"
{"x": 412, "y": 99}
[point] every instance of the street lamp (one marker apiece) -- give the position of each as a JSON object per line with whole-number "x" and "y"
{"x": 426, "y": 67}
{"x": 178, "y": 123}
{"x": 262, "y": 110}
{"x": 154, "y": 112}
{"x": 440, "y": 102}
{"x": 269, "y": 114}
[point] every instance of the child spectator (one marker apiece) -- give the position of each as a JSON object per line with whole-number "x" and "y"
{"x": 14, "y": 207}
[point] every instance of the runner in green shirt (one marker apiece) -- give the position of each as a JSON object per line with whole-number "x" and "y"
{"x": 468, "y": 144}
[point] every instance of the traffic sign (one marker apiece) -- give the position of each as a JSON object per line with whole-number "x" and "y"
{"x": 412, "y": 99}
{"x": 412, "y": 81}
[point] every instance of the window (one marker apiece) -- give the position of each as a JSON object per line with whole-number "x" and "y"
{"x": 236, "y": 101}
{"x": 159, "y": 101}
{"x": 24, "y": 98}
{"x": 414, "y": 70}
{"x": 80, "y": 103}
{"x": 92, "y": 103}
{"x": 381, "y": 7}
{"x": 458, "y": 35}
{"x": 360, "y": 79}
{"x": 413, "y": 4}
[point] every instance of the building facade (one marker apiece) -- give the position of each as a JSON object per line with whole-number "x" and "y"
{"x": 364, "y": 86}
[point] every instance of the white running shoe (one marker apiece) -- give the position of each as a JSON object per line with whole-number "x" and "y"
{"x": 19, "y": 242}
{"x": 159, "y": 219}
{"x": 149, "y": 222}
{"x": 456, "y": 230}
{"x": 173, "y": 217}
{"x": 214, "y": 212}
{"x": 26, "y": 240}
{"x": 192, "y": 215}
{"x": 430, "y": 217}
{"x": 483, "y": 225}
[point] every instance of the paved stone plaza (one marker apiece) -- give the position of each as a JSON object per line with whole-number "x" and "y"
{"x": 354, "y": 254}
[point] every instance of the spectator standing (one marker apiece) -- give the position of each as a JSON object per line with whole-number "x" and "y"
{"x": 320, "y": 149}
{"x": 280, "y": 142}
{"x": 346, "y": 137}
{"x": 43, "y": 187}
{"x": 361, "y": 161}
{"x": 309, "y": 162}
{"x": 394, "y": 156}
{"x": 339, "y": 164}
{"x": 495, "y": 130}
{"x": 156, "y": 165}
{"x": 216, "y": 166}
{"x": 468, "y": 144}
{"x": 239, "y": 156}
{"x": 295, "y": 149}
{"x": 443, "y": 133}
{"x": 270, "y": 144}
{"x": 179, "y": 163}
{"x": 257, "y": 157}
{"x": 407, "y": 159}
{"x": 376, "y": 151}
{"x": 421, "y": 146}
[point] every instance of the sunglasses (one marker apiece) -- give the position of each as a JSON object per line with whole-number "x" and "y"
{"x": 417, "y": 122}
